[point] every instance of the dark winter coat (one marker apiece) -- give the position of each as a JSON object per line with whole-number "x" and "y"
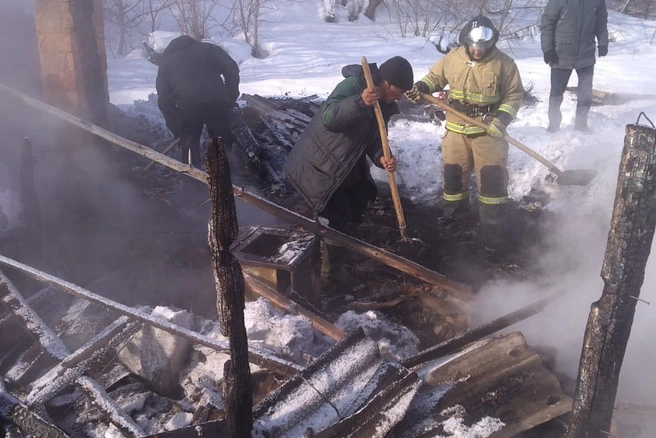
{"x": 193, "y": 73}
{"x": 569, "y": 27}
{"x": 336, "y": 139}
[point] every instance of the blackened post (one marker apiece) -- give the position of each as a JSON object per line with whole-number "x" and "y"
{"x": 31, "y": 236}
{"x": 610, "y": 319}
{"x": 229, "y": 291}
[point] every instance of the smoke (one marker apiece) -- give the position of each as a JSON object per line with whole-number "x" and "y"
{"x": 571, "y": 263}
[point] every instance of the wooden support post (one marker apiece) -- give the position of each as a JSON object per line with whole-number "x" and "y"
{"x": 230, "y": 300}
{"x": 609, "y": 323}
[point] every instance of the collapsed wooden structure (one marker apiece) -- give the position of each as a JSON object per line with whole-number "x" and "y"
{"x": 392, "y": 399}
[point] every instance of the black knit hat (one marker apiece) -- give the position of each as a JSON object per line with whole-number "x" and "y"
{"x": 398, "y": 72}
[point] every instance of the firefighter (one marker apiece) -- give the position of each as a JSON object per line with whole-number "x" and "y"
{"x": 484, "y": 83}
{"x": 328, "y": 165}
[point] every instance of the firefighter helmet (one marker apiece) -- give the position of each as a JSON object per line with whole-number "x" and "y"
{"x": 479, "y": 33}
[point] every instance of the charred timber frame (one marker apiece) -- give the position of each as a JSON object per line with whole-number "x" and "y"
{"x": 390, "y": 259}
{"x": 256, "y": 357}
{"x": 56, "y": 348}
{"x": 623, "y": 270}
{"x": 229, "y": 283}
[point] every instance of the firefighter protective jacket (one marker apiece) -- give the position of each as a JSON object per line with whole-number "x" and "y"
{"x": 494, "y": 81}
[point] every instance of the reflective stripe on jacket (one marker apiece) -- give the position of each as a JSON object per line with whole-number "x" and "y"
{"x": 494, "y": 80}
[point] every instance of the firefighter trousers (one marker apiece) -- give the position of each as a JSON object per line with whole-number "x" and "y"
{"x": 488, "y": 156}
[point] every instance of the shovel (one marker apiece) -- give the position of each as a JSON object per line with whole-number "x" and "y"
{"x": 396, "y": 199}
{"x": 387, "y": 153}
{"x": 577, "y": 177}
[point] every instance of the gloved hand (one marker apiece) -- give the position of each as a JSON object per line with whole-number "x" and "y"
{"x": 414, "y": 94}
{"x": 603, "y": 50}
{"x": 550, "y": 57}
{"x": 496, "y": 128}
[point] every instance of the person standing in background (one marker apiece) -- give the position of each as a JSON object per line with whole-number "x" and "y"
{"x": 567, "y": 33}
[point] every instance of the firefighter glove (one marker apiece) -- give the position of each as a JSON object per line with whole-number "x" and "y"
{"x": 550, "y": 57}
{"x": 603, "y": 50}
{"x": 495, "y": 129}
{"x": 414, "y": 94}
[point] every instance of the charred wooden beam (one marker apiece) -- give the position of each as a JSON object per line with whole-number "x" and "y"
{"x": 27, "y": 420}
{"x": 623, "y": 270}
{"x": 229, "y": 283}
{"x": 76, "y": 364}
{"x": 265, "y": 108}
{"x": 290, "y": 306}
{"x": 31, "y": 321}
{"x": 387, "y": 258}
{"x": 31, "y": 234}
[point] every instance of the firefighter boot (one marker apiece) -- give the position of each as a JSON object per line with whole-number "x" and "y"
{"x": 334, "y": 267}
{"x": 453, "y": 211}
{"x": 495, "y": 231}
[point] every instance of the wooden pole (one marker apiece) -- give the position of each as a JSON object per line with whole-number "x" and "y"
{"x": 609, "y": 323}
{"x": 230, "y": 301}
{"x": 394, "y": 189}
{"x": 387, "y": 258}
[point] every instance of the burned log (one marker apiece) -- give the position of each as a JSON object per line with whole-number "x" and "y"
{"x": 259, "y": 158}
{"x": 623, "y": 270}
{"x": 230, "y": 301}
{"x": 29, "y": 422}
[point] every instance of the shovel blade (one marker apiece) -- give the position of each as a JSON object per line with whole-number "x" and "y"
{"x": 578, "y": 177}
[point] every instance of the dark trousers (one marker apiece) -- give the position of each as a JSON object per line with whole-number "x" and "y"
{"x": 349, "y": 202}
{"x": 559, "y": 79}
{"x": 214, "y": 115}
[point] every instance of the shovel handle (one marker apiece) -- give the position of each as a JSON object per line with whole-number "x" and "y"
{"x": 448, "y": 108}
{"x": 396, "y": 199}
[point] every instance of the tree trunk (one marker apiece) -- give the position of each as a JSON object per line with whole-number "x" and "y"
{"x": 371, "y": 9}
{"x": 623, "y": 270}
{"x": 230, "y": 292}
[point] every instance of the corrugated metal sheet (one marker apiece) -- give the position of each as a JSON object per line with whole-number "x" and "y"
{"x": 500, "y": 378}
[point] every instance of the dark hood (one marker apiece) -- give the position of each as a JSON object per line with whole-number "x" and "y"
{"x": 356, "y": 70}
{"x": 180, "y": 43}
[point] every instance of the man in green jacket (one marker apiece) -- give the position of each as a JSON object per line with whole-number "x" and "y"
{"x": 328, "y": 164}
{"x": 568, "y": 32}
{"x": 484, "y": 83}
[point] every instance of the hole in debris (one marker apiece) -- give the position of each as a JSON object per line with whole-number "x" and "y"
{"x": 265, "y": 245}
{"x": 514, "y": 352}
{"x": 552, "y": 400}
